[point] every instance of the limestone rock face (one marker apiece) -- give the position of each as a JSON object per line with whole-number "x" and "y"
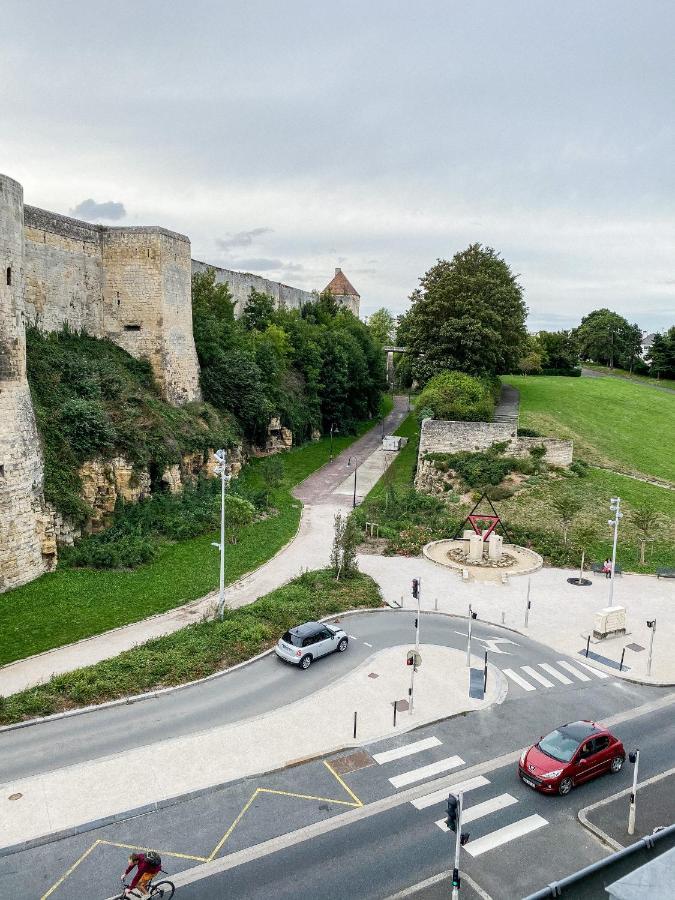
{"x": 278, "y": 437}
{"x": 316, "y": 434}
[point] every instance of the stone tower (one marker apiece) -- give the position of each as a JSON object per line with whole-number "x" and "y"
{"x": 21, "y": 468}
{"x": 344, "y": 292}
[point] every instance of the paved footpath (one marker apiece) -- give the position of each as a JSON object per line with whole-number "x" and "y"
{"x": 561, "y": 614}
{"x": 324, "y": 493}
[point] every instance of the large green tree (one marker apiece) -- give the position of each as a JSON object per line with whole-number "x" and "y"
{"x": 661, "y": 355}
{"x": 606, "y": 337}
{"x": 468, "y": 314}
{"x": 382, "y": 326}
{"x": 559, "y": 350}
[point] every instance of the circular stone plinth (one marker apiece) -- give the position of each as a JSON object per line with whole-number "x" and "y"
{"x": 522, "y": 560}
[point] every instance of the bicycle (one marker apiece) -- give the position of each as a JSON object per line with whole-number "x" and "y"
{"x": 162, "y": 890}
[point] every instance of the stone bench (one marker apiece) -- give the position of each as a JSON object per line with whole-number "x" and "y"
{"x": 665, "y": 573}
{"x": 597, "y": 568}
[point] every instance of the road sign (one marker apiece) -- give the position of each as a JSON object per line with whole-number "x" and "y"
{"x": 414, "y": 658}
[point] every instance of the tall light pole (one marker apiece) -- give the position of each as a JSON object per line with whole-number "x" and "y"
{"x": 332, "y": 429}
{"x": 615, "y": 506}
{"x": 634, "y": 757}
{"x": 356, "y": 465}
{"x": 221, "y": 469}
{"x": 651, "y": 624}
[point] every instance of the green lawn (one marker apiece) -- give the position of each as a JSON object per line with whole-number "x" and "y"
{"x": 401, "y": 471}
{"x": 199, "y": 649}
{"x": 612, "y": 421}
{"x": 71, "y": 604}
{"x": 631, "y": 376}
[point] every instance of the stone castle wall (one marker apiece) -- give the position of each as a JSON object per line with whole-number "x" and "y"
{"x": 441, "y": 436}
{"x": 240, "y": 284}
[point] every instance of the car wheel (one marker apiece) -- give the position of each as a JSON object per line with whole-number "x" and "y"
{"x": 616, "y": 765}
{"x": 565, "y": 787}
{"x": 342, "y": 646}
{"x": 306, "y": 662}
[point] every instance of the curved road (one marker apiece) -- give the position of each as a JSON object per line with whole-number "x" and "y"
{"x": 265, "y": 685}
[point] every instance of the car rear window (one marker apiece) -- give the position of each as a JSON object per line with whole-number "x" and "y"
{"x": 290, "y": 638}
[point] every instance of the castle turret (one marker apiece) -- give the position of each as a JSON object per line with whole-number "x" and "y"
{"x": 21, "y": 469}
{"x": 344, "y": 292}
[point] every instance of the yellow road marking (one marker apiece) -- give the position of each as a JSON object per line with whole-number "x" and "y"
{"x": 355, "y": 802}
{"x": 70, "y": 871}
{"x": 351, "y": 793}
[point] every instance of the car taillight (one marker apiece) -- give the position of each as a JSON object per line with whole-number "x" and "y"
{"x": 298, "y": 652}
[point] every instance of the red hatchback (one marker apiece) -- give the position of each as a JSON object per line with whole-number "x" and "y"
{"x": 569, "y": 755}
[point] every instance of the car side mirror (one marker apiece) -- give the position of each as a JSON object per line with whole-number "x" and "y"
{"x": 582, "y": 761}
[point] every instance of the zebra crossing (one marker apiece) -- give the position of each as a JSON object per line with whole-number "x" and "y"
{"x": 485, "y": 806}
{"x": 529, "y": 678}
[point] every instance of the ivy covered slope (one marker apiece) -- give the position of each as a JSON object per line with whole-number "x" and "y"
{"x": 93, "y": 400}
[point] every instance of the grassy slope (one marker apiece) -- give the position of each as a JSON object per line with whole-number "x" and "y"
{"x": 71, "y": 604}
{"x": 611, "y": 421}
{"x": 197, "y": 650}
{"x": 631, "y": 376}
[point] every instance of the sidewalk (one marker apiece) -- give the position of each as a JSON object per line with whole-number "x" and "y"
{"x": 561, "y": 615}
{"x": 314, "y": 726}
{"x": 324, "y": 493}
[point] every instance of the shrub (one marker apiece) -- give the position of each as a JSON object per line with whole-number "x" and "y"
{"x": 458, "y": 396}
{"x": 86, "y": 427}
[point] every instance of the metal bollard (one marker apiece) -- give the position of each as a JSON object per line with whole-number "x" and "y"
{"x": 395, "y": 705}
{"x": 623, "y": 653}
{"x": 485, "y": 674}
{"x": 588, "y": 644}
{"x": 354, "y": 724}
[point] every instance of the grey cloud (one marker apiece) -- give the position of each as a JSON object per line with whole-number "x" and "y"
{"x": 241, "y": 238}
{"x": 293, "y": 267}
{"x": 89, "y": 210}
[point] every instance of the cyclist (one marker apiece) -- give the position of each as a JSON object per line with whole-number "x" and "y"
{"x": 148, "y": 865}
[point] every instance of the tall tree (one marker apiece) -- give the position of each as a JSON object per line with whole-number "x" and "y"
{"x": 661, "y": 355}
{"x": 567, "y": 507}
{"x": 606, "y": 337}
{"x": 647, "y": 521}
{"x": 468, "y": 314}
{"x": 382, "y": 326}
{"x": 559, "y": 349}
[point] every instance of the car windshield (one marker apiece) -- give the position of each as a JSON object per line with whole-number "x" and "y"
{"x": 290, "y": 638}
{"x": 559, "y": 744}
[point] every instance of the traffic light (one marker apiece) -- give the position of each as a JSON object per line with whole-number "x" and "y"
{"x": 455, "y": 878}
{"x": 410, "y": 661}
{"x": 415, "y": 588}
{"x": 452, "y": 816}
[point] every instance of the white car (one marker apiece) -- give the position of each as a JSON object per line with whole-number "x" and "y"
{"x": 302, "y": 645}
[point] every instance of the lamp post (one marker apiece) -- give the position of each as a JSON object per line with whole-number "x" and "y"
{"x": 332, "y": 429}
{"x": 356, "y": 465}
{"x": 615, "y": 506}
{"x": 634, "y": 757}
{"x": 221, "y": 469}
{"x": 651, "y": 624}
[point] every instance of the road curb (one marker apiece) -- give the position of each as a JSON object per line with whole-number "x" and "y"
{"x": 582, "y": 815}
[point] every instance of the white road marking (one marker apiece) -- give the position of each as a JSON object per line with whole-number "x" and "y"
{"x": 367, "y": 644}
{"x": 575, "y": 672}
{"x": 537, "y": 677}
{"x": 556, "y": 674}
{"x": 481, "y": 809}
{"x": 504, "y": 835}
{"x": 596, "y": 672}
{"x": 441, "y": 796}
{"x": 406, "y": 750}
{"x": 514, "y": 676}
{"x": 352, "y": 637}
{"x": 435, "y": 768}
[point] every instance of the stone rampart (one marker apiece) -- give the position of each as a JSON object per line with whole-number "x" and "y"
{"x": 240, "y": 284}
{"x": 441, "y": 436}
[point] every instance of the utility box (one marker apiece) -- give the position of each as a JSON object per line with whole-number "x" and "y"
{"x": 609, "y": 622}
{"x": 393, "y": 442}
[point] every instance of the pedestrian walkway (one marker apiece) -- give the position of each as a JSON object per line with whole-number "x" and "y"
{"x": 530, "y": 675}
{"x": 324, "y": 493}
{"x": 561, "y": 615}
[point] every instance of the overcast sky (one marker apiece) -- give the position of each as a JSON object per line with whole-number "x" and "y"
{"x": 288, "y": 138}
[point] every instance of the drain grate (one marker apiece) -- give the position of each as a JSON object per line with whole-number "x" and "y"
{"x": 636, "y": 648}
{"x": 352, "y": 762}
{"x": 373, "y": 675}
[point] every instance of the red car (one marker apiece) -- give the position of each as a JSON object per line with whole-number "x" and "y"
{"x": 569, "y": 755}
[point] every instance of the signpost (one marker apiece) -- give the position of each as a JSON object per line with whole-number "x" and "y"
{"x": 414, "y": 660}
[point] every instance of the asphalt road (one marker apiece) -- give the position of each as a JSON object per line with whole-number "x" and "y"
{"x": 384, "y": 854}
{"x": 267, "y": 684}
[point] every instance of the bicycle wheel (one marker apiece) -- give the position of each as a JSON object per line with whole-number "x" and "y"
{"x": 163, "y": 889}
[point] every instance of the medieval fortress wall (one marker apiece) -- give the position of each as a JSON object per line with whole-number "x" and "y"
{"x": 131, "y": 285}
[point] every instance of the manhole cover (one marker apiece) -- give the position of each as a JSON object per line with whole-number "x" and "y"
{"x": 15, "y": 796}
{"x": 352, "y": 762}
{"x": 401, "y": 705}
{"x": 373, "y": 675}
{"x": 634, "y": 647}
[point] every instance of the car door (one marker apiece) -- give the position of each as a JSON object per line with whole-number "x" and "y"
{"x": 325, "y": 642}
{"x": 593, "y": 759}
{"x": 603, "y": 753}
{"x": 583, "y": 761}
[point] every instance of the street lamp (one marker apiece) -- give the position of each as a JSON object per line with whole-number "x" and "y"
{"x": 651, "y": 624}
{"x": 332, "y": 429}
{"x": 356, "y": 465}
{"x": 221, "y": 469}
{"x": 634, "y": 757}
{"x": 615, "y": 506}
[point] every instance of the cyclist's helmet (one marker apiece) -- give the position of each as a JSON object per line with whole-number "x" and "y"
{"x": 153, "y": 858}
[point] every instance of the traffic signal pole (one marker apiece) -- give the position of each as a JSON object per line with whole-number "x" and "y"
{"x": 458, "y": 844}
{"x": 417, "y": 622}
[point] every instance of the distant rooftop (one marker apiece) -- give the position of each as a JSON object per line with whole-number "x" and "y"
{"x": 341, "y": 286}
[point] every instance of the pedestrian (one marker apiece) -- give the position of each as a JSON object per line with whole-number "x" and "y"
{"x": 607, "y": 568}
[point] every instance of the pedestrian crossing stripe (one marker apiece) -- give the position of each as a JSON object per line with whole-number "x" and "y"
{"x": 514, "y": 676}
{"x": 563, "y": 679}
{"x": 434, "y": 768}
{"x": 537, "y": 676}
{"x": 504, "y": 835}
{"x": 442, "y": 795}
{"x": 471, "y": 813}
{"x": 575, "y": 672}
{"x": 533, "y": 674}
{"x": 406, "y": 750}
